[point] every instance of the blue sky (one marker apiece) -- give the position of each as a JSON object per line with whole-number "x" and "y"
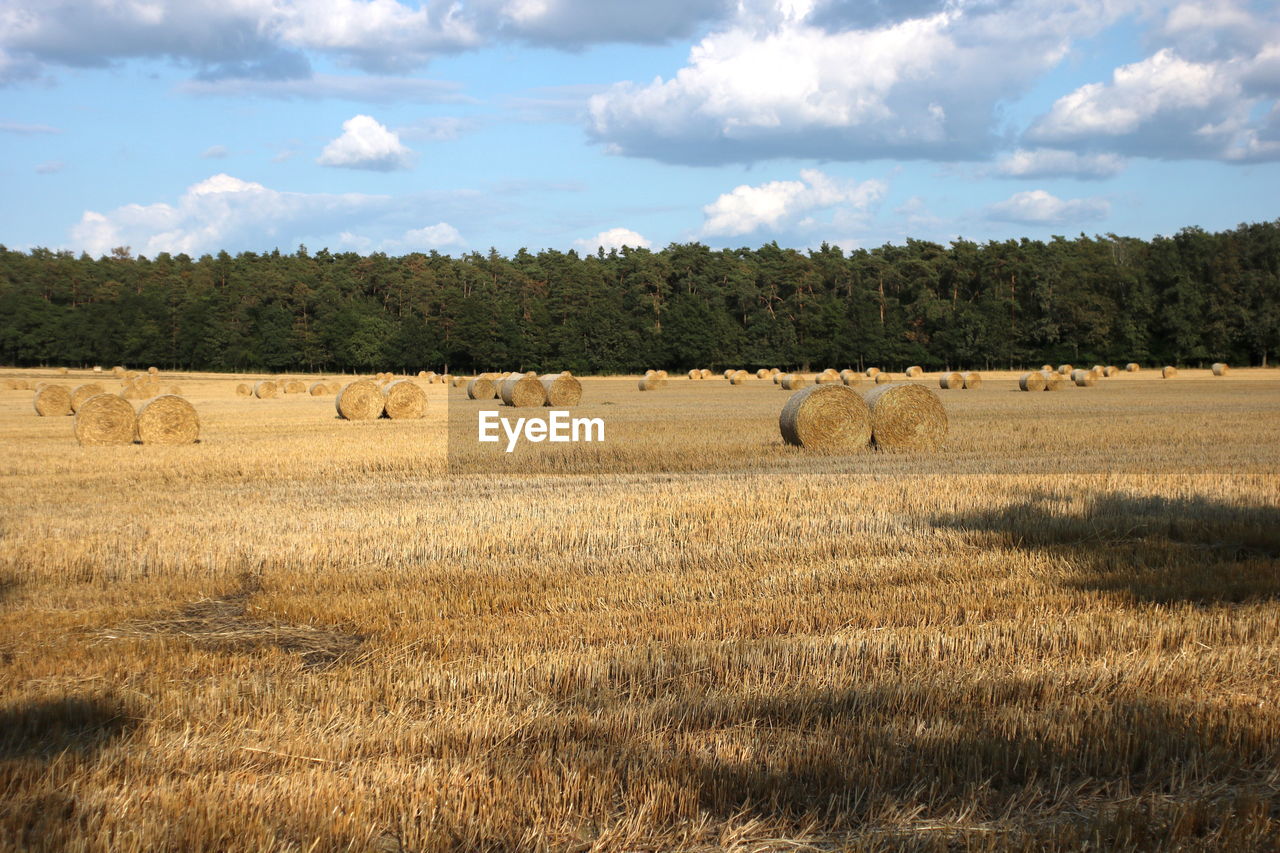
{"x": 388, "y": 125}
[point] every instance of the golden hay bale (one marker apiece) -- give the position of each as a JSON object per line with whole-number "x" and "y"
{"x": 1220, "y": 368}
{"x": 851, "y": 377}
{"x": 650, "y": 383}
{"x": 118, "y": 370}
{"x": 1047, "y": 368}
{"x": 650, "y": 372}
{"x": 951, "y": 381}
{"x": 906, "y": 416}
{"x": 22, "y": 385}
{"x": 1132, "y": 367}
{"x": 1054, "y": 381}
{"x": 335, "y": 387}
{"x": 915, "y": 370}
{"x": 728, "y": 374}
{"x": 883, "y": 378}
{"x": 106, "y": 419}
{"x": 52, "y": 401}
{"x": 871, "y": 372}
{"x": 1098, "y": 370}
{"x": 774, "y": 371}
{"x": 62, "y": 371}
{"x": 825, "y": 378}
{"x": 422, "y": 374}
{"x": 1110, "y": 370}
{"x": 525, "y": 391}
{"x": 80, "y": 393}
{"x": 762, "y": 373}
{"x": 739, "y": 377}
{"x": 777, "y": 378}
{"x": 706, "y": 374}
{"x": 794, "y": 381}
{"x": 482, "y": 388}
{"x": 1033, "y": 381}
{"x": 295, "y": 386}
{"x": 318, "y": 389}
{"x": 1065, "y": 369}
{"x": 662, "y": 374}
{"x": 826, "y": 417}
{"x": 265, "y": 389}
{"x": 153, "y": 370}
{"x": 972, "y": 380}
{"x": 1083, "y": 378}
{"x": 1168, "y": 372}
{"x": 562, "y": 389}
{"x": 243, "y": 390}
{"x": 459, "y": 381}
{"x": 361, "y": 400}
{"x": 168, "y": 419}
{"x": 695, "y": 374}
{"x": 97, "y": 368}
{"x": 405, "y": 400}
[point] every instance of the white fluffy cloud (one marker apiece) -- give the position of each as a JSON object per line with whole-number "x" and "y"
{"x": 1037, "y": 207}
{"x": 613, "y": 238}
{"x": 1057, "y": 163}
{"x": 784, "y": 205}
{"x": 366, "y": 144}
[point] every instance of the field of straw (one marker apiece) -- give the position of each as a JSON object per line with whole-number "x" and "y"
{"x": 306, "y": 634}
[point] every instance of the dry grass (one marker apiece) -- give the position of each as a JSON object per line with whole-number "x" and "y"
{"x": 1059, "y": 631}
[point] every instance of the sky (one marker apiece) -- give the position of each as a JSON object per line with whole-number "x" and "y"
{"x": 462, "y": 125}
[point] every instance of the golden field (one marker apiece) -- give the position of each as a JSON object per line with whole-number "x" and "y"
{"x": 310, "y": 634}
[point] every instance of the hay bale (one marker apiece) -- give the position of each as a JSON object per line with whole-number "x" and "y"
{"x": 851, "y": 377}
{"x": 318, "y": 389}
{"x": 1168, "y": 372}
{"x": 334, "y": 387}
{"x": 80, "y": 393}
{"x": 650, "y": 383}
{"x": 826, "y": 417}
{"x": 915, "y": 370}
{"x": 1054, "y": 381}
{"x": 295, "y": 386}
{"x": 706, "y": 373}
{"x": 883, "y": 378}
{"x": 1220, "y": 368}
{"x": 1033, "y": 381}
{"x": 777, "y": 378}
{"x": 562, "y": 389}
{"x": 739, "y": 377}
{"x": 871, "y": 372}
{"x": 118, "y": 371}
{"x": 794, "y": 381}
{"x": 265, "y": 389}
{"x": 525, "y": 391}
{"x": 906, "y": 416}
{"x": 763, "y": 373}
{"x": 97, "y": 368}
{"x": 62, "y": 371}
{"x": 482, "y": 388}
{"x": 153, "y": 370}
{"x": 459, "y": 381}
{"x": 951, "y": 381}
{"x": 405, "y": 400}
{"x": 1047, "y": 368}
{"x": 662, "y": 374}
{"x": 52, "y": 401}
{"x": 695, "y": 374}
{"x": 361, "y": 400}
{"x": 1132, "y": 367}
{"x": 825, "y": 378}
{"x": 1083, "y": 378}
{"x": 168, "y": 419}
{"x": 972, "y": 380}
{"x": 1110, "y": 370}
{"x": 728, "y": 374}
{"x": 243, "y": 390}
{"x": 106, "y": 419}
{"x": 1065, "y": 369}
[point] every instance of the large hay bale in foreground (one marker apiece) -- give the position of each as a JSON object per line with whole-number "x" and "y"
{"x": 168, "y": 419}
{"x": 482, "y": 388}
{"x": 1033, "y": 381}
{"x": 972, "y": 380}
{"x": 915, "y": 370}
{"x": 106, "y": 419}
{"x": 562, "y": 389}
{"x": 951, "y": 381}
{"x": 523, "y": 391}
{"x": 826, "y": 417}
{"x": 1132, "y": 367}
{"x": 794, "y": 381}
{"x": 906, "y": 416}
{"x": 405, "y": 400}
{"x": 1084, "y": 378}
{"x": 80, "y": 393}
{"x": 361, "y": 400}
{"x": 266, "y": 389}
{"x": 243, "y": 390}
{"x": 52, "y": 401}
{"x": 1168, "y": 372}
{"x": 1220, "y": 368}
{"x": 319, "y": 389}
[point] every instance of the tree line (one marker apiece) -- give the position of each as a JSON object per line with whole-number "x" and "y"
{"x": 1188, "y": 299}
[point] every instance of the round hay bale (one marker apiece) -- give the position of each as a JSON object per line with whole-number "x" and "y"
{"x": 728, "y": 374}
{"x": 361, "y": 400}
{"x": 97, "y": 368}
{"x": 334, "y": 387}
{"x": 525, "y": 391}
{"x": 1110, "y": 370}
{"x": 318, "y": 389}
{"x": 168, "y": 419}
{"x": 1047, "y": 368}
{"x": 1168, "y": 372}
{"x": 851, "y": 377}
{"x": 562, "y": 389}
{"x": 763, "y": 373}
{"x": 906, "y": 416}
{"x": 706, "y": 373}
{"x": 650, "y": 372}
{"x": 52, "y": 401}
{"x": 1054, "y": 381}
{"x": 295, "y": 386}
{"x": 422, "y": 374}
{"x": 1220, "y": 368}
{"x": 794, "y": 381}
{"x": 106, "y": 419}
{"x": 80, "y": 393}
{"x": 405, "y": 400}
{"x": 951, "y": 381}
{"x": 777, "y": 378}
{"x": 872, "y": 371}
{"x": 650, "y": 383}
{"x": 915, "y": 370}
{"x": 739, "y": 377}
{"x": 1033, "y": 381}
{"x": 1098, "y": 370}
{"x": 459, "y": 381}
{"x": 243, "y": 390}
{"x": 1065, "y": 369}
{"x": 265, "y": 389}
{"x": 972, "y": 380}
{"x": 62, "y": 371}
{"x": 695, "y": 374}
{"x": 826, "y": 417}
{"x": 1083, "y": 378}
{"x": 825, "y": 378}
{"x": 118, "y": 370}
{"x": 662, "y": 374}
{"x": 883, "y": 378}
{"x": 482, "y": 388}
{"x": 1132, "y": 367}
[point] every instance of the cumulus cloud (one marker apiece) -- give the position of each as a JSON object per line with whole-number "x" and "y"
{"x": 781, "y": 205}
{"x": 1037, "y": 207}
{"x": 1057, "y": 163}
{"x": 225, "y": 212}
{"x": 611, "y": 239}
{"x": 366, "y": 144}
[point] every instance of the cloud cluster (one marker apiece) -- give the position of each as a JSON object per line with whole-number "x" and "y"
{"x": 366, "y": 144}
{"x": 611, "y": 239}
{"x": 787, "y": 205}
{"x": 1037, "y": 207}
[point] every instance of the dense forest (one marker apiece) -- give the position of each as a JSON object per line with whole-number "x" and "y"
{"x": 1186, "y": 299}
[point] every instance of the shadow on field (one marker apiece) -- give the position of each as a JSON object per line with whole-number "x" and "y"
{"x": 8, "y": 587}
{"x": 1155, "y": 549}
{"x": 49, "y": 728}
